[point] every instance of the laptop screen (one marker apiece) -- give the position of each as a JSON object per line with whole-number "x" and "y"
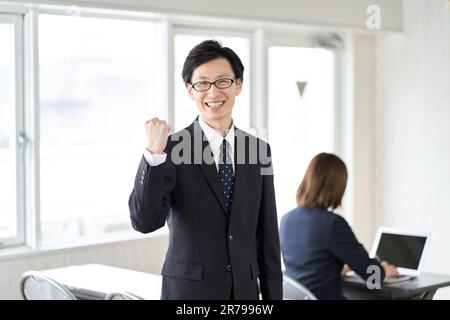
{"x": 403, "y": 251}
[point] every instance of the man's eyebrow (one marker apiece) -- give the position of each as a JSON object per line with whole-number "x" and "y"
{"x": 222, "y": 75}
{"x": 201, "y": 78}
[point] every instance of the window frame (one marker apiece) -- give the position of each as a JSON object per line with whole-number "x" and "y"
{"x": 16, "y": 20}
{"x": 343, "y": 104}
{"x": 34, "y": 234}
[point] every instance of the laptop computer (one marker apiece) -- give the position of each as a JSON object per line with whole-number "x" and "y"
{"x": 404, "y": 249}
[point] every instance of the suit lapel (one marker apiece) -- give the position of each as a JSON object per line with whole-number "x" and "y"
{"x": 208, "y": 168}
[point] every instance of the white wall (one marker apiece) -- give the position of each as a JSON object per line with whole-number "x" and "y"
{"x": 143, "y": 255}
{"x": 411, "y": 128}
{"x": 363, "y": 138}
{"x": 342, "y": 13}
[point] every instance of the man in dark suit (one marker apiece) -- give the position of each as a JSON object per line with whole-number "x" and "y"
{"x": 213, "y": 184}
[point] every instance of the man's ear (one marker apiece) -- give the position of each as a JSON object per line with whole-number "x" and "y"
{"x": 190, "y": 90}
{"x": 238, "y": 86}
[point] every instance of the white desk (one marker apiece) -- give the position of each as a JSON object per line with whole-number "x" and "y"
{"x": 95, "y": 281}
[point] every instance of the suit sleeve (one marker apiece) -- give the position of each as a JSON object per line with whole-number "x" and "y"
{"x": 150, "y": 199}
{"x": 269, "y": 258}
{"x": 347, "y": 248}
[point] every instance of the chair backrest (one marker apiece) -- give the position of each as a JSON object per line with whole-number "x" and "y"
{"x": 36, "y": 286}
{"x": 293, "y": 290}
{"x": 123, "y": 295}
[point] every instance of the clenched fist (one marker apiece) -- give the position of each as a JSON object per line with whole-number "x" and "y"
{"x": 157, "y": 133}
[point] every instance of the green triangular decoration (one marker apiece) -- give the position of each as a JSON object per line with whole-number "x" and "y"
{"x": 301, "y": 85}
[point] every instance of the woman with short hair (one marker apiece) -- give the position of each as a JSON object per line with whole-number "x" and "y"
{"x": 316, "y": 243}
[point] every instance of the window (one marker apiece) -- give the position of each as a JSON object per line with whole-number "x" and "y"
{"x": 72, "y": 117}
{"x": 185, "y": 109}
{"x": 11, "y": 202}
{"x": 99, "y": 82}
{"x": 301, "y": 103}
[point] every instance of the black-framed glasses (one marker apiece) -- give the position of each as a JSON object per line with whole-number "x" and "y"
{"x": 203, "y": 86}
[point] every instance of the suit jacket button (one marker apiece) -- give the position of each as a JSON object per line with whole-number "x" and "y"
{"x": 231, "y": 237}
{"x": 142, "y": 182}
{"x": 228, "y": 267}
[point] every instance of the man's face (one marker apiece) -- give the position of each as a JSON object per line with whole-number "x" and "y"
{"x": 215, "y": 105}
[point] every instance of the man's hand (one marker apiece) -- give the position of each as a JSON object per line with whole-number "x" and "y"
{"x": 157, "y": 133}
{"x": 389, "y": 269}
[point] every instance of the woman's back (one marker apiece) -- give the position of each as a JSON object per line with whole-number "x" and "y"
{"x": 315, "y": 244}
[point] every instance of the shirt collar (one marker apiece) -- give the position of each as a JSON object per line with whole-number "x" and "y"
{"x": 214, "y": 138}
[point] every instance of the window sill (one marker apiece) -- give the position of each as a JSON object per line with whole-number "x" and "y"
{"x": 26, "y": 252}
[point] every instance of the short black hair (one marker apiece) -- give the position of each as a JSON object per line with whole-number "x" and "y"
{"x": 209, "y": 50}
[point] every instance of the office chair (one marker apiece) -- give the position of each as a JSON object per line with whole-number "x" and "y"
{"x": 293, "y": 290}
{"x": 36, "y": 286}
{"x": 122, "y": 295}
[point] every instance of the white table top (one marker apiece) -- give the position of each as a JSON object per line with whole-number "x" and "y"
{"x": 101, "y": 279}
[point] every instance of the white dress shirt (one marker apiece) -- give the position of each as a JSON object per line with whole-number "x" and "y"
{"x": 214, "y": 138}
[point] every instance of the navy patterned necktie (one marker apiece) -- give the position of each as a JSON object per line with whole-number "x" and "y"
{"x": 226, "y": 174}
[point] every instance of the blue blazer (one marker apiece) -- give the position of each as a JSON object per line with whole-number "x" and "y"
{"x": 315, "y": 244}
